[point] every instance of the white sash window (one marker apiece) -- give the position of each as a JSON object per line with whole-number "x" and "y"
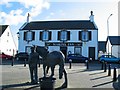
{"x": 85, "y": 36}
{"x": 45, "y": 36}
{"x": 29, "y": 36}
{"x": 63, "y": 35}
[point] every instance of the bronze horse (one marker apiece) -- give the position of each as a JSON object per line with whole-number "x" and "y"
{"x": 51, "y": 60}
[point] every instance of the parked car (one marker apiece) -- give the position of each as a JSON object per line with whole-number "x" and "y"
{"x": 76, "y": 58}
{"x": 109, "y": 58}
{"x": 21, "y": 56}
{"x": 5, "y": 56}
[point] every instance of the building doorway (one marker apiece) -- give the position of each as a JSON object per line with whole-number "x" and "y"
{"x": 64, "y": 50}
{"x": 92, "y": 53}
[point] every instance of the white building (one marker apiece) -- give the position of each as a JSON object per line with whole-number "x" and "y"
{"x": 7, "y": 44}
{"x": 69, "y": 36}
{"x": 114, "y": 45}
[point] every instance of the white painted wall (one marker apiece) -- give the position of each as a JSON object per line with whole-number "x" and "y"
{"x": 73, "y": 38}
{"x": 116, "y": 50}
{"x": 7, "y": 44}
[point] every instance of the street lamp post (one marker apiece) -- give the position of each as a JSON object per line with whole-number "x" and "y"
{"x": 108, "y": 30}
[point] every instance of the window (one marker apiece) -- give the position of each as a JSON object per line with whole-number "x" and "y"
{"x": 45, "y": 35}
{"x": 8, "y": 34}
{"x": 85, "y": 35}
{"x": 28, "y": 49}
{"x": 63, "y": 35}
{"x": 78, "y": 50}
{"x": 29, "y": 35}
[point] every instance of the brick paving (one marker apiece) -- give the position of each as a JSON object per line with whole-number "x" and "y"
{"x": 17, "y": 76}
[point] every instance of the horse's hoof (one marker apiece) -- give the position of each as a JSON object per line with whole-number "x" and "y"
{"x": 64, "y": 85}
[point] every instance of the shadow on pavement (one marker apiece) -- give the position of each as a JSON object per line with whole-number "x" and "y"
{"x": 97, "y": 73}
{"x": 116, "y": 86}
{"x": 99, "y": 77}
{"x": 102, "y": 84}
{"x": 20, "y": 85}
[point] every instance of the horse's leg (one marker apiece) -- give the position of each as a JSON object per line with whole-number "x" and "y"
{"x": 52, "y": 71}
{"x": 65, "y": 84}
{"x": 47, "y": 69}
{"x": 61, "y": 68}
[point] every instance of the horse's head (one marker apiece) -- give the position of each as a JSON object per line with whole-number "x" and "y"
{"x": 42, "y": 51}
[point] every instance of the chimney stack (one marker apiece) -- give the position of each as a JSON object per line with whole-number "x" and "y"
{"x": 91, "y": 17}
{"x": 28, "y": 18}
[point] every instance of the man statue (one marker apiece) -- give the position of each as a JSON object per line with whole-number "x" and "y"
{"x": 32, "y": 61}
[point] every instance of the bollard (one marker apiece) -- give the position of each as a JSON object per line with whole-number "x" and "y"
{"x": 47, "y": 83}
{"x": 102, "y": 65}
{"x": 12, "y": 62}
{"x": 114, "y": 74}
{"x": 25, "y": 63}
{"x": 109, "y": 70}
{"x": 87, "y": 64}
{"x": 70, "y": 63}
{"x": 105, "y": 67}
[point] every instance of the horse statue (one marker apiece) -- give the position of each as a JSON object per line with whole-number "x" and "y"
{"x": 50, "y": 60}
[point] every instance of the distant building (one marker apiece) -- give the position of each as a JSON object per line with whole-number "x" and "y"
{"x": 114, "y": 45}
{"x": 69, "y": 36}
{"x": 101, "y": 47}
{"x": 7, "y": 44}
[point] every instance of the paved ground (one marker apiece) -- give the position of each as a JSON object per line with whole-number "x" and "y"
{"x": 17, "y": 76}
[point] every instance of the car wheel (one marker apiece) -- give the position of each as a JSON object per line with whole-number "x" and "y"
{"x": 103, "y": 60}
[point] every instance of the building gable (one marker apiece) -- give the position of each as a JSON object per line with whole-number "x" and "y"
{"x": 2, "y": 29}
{"x": 114, "y": 40}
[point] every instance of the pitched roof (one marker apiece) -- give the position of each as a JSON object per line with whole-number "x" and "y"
{"x": 55, "y": 25}
{"x": 2, "y": 29}
{"x": 114, "y": 40}
{"x": 102, "y": 46}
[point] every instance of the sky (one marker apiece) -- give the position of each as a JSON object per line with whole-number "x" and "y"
{"x": 14, "y": 13}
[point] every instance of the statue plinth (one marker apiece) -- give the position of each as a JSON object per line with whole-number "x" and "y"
{"x": 47, "y": 83}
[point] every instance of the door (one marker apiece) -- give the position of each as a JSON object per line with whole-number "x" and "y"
{"x": 64, "y": 50}
{"x": 92, "y": 53}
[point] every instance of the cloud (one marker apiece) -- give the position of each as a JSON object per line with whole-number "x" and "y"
{"x": 14, "y": 17}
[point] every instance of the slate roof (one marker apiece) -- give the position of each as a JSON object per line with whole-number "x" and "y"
{"x": 2, "y": 29}
{"x": 114, "y": 40}
{"x": 55, "y": 25}
{"x": 102, "y": 46}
